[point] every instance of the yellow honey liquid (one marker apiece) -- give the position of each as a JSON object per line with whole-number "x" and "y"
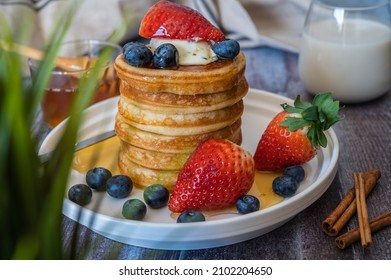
{"x": 262, "y": 189}
{"x": 102, "y": 154}
{"x": 105, "y": 154}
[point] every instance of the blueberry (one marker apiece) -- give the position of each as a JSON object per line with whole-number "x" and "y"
{"x": 137, "y": 55}
{"x": 80, "y": 194}
{"x": 226, "y": 49}
{"x": 97, "y": 177}
{"x": 247, "y": 204}
{"x": 129, "y": 45}
{"x": 190, "y": 216}
{"x": 119, "y": 186}
{"x": 156, "y": 196}
{"x": 165, "y": 56}
{"x": 285, "y": 186}
{"x": 134, "y": 209}
{"x": 296, "y": 172}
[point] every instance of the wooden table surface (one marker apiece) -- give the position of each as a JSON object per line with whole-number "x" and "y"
{"x": 364, "y": 139}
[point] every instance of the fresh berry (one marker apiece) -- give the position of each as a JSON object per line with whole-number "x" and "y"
{"x": 247, "y": 204}
{"x": 97, "y": 177}
{"x": 174, "y": 21}
{"x": 134, "y": 209}
{"x": 296, "y": 172}
{"x": 190, "y": 216}
{"x": 156, "y": 196}
{"x": 215, "y": 176}
{"x": 226, "y": 49}
{"x": 130, "y": 45}
{"x": 80, "y": 194}
{"x": 165, "y": 56}
{"x": 285, "y": 186}
{"x": 119, "y": 186}
{"x": 294, "y": 135}
{"x": 138, "y": 55}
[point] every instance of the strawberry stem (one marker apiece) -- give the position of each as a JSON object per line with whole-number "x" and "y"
{"x": 317, "y": 116}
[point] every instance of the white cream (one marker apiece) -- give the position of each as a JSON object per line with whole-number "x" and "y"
{"x": 190, "y": 53}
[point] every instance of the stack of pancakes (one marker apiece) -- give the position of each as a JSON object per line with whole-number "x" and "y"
{"x": 164, "y": 113}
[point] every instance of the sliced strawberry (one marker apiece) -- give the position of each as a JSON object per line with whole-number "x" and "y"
{"x": 294, "y": 135}
{"x": 214, "y": 177}
{"x": 174, "y": 21}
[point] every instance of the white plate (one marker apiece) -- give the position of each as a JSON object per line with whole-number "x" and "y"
{"x": 159, "y": 230}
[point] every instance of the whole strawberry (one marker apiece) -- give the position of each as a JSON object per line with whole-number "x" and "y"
{"x": 295, "y": 134}
{"x": 214, "y": 177}
{"x": 174, "y": 21}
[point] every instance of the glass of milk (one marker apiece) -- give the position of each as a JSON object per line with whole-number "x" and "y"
{"x": 346, "y": 49}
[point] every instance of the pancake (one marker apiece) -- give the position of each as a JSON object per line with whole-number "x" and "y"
{"x": 171, "y": 144}
{"x": 154, "y": 159}
{"x": 143, "y": 176}
{"x": 179, "y": 124}
{"x": 185, "y": 104}
{"x": 218, "y": 76}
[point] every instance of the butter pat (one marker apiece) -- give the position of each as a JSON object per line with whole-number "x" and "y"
{"x": 190, "y": 53}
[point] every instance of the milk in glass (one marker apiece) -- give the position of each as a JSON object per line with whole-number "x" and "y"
{"x": 353, "y": 59}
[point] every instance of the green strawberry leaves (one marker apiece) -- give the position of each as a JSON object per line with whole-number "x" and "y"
{"x": 317, "y": 117}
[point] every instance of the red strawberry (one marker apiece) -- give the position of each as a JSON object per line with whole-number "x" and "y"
{"x": 215, "y": 176}
{"x": 294, "y": 135}
{"x": 174, "y": 21}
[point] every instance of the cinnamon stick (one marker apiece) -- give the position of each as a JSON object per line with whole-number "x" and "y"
{"x": 362, "y": 211}
{"x": 333, "y": 224}
{"x": 353, "y": 235}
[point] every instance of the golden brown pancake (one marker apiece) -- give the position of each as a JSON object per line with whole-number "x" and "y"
{"x": 154, "y": 159}
{"x": 218, "y": 76}
{"x": 171, "y": 144}
{"x": 179, "y": 124}
{"x": 186, "y": 104}
{"x": 143, "y": 176}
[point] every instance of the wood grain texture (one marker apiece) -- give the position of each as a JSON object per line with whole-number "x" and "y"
{"x": 364, "y": 138}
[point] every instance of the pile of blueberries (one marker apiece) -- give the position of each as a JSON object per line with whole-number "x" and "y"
{"x": 119, "y": 186}
{"x": 166, "y": 55}
{"x": 156, "y": 196}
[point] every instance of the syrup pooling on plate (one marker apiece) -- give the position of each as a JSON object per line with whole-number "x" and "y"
{"x": 262, "y": 189}
{"x": 105, "y": 154}
{"x": 102, "y": 154}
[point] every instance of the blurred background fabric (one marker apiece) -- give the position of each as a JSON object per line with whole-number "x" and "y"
{"x": 95, "y": 19}
{"x": 274, "y": 23}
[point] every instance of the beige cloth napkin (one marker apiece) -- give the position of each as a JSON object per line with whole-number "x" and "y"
{"x": 94, "y": 19}
{"x": 275, "y": 23}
